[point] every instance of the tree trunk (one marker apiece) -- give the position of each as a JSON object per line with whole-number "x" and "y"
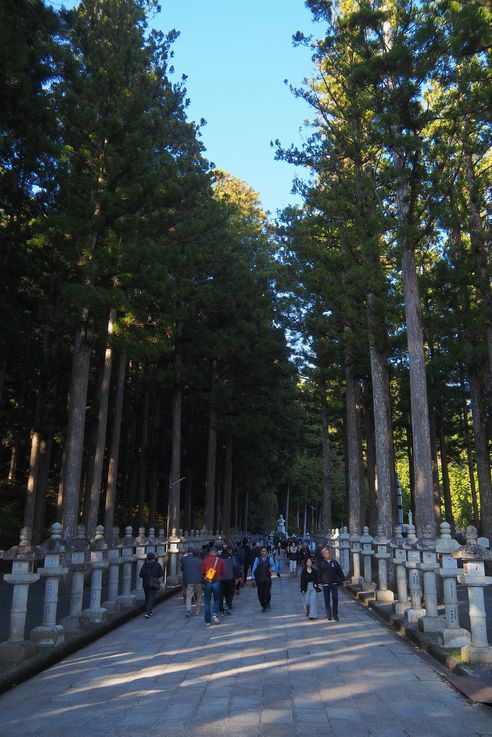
{"x": 422, "y": 452}
{"x": 175, "y": 474}
{"x": 189, "y": 521}
{"x": 102, "y": 423}
{"x": 287, "y": 507}
{"x": 469, "y": 458}
{"x": 325, "y": 450}
{"x": 32, "y": 481}
{"x": 246, "y": 510}
{"x": 226, "y": 521}
{"x": 354, "y": 449}
{"x": 482, "y": 454}
{"x": 155, "y": 457}
{"x": 408, "y": 435}
{"x": 209, "y": 511}
{"x": 446, "y": 489}
{"x": 45, "y": 448}
{"x": 114, "y": 447}
{"x": 372, "y": 511}
{"x": 435, "y": 468}
{"x": 385, "y": 473}
{"x": 481, "y": 257}
{"x": 69, "y": 489}
{"x": 142, "y": 465}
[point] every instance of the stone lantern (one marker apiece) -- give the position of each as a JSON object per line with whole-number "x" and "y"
{"x": 49, "y": 632}
{"x": 367, "y": 552}
{"x": 127, "y": 544}
{"x": 355, "y": 550}
{"x": 21, "y": 577}
{"x": 452, "y": 635}
{"x": 141, "y": 542}
{"x": 161, "y": 553}
{"x": 381, "y": 542}
{"x": 399, "y": 561}
{"x": 115, "y": 561}
{"x": 344, "y": 539}
{"x": 173, "y": 557}
{"x": 77, "y": 564}
{"x": 431, "y": 622}
{"x": 473, "y": 577}
{"x": 97, "y": 614}
{"x": 416, "y": 611}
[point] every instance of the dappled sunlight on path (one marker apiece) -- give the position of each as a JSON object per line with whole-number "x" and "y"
{"x": 255, "y": 675}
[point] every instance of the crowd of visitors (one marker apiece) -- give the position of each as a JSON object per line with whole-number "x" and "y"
{"x": 213, "y": 576}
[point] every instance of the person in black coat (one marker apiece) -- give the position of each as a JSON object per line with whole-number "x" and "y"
{"x": 330, "y": 576}
{"x": 309, "y": 589}
{"x": 150, "y": 573}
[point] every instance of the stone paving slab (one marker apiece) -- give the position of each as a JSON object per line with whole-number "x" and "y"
{"x": 254, "y": 675}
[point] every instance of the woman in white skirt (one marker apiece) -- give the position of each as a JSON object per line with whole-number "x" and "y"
{"x": 309, "y": 589}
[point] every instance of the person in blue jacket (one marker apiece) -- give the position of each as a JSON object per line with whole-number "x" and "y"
{"x": 261, "y": 572}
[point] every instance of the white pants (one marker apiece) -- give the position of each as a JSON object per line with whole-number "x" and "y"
{"x": 310, "y": 601}
{"x": 293, "y": 566}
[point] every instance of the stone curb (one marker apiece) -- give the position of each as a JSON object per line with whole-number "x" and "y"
{"x": 39, "y": 662}
{"x": 470, "y": 685}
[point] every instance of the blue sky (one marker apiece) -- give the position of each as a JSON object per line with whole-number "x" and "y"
{"x": 236, "y": 56}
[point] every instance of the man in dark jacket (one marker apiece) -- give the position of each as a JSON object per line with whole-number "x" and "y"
{"x": 192, "y": 574}
{"x": 261, "y": 572}
{"x": 150, "y": 573}
{"x": 229, "y": 576}
{"x": 330, "y": 575}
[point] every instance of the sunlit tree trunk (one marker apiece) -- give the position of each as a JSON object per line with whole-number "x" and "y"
{"x": 114, "y": 449}
{"x": 69, "y": 490}
{"x": 102, "y": 423}
{"x": 325, "y": 449}
{"x": 226, "y": 523}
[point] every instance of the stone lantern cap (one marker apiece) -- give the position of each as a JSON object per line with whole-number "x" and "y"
{"x": 411, "y": 541}
{"x": 24, "y": 550}
{"x": 99, "y": 543}
{"x": 426, "y": 542}
{"x": 446, "y": 544}
{"x": 381, "y": 538}
{"x": 128, "y": 541}
{"x": 366, "y": 538}
{"x": 55, "y": 543}
{"x": 398, "y": 540}
{"x": 141, "y": 538}
{"x": 472, "y": 551}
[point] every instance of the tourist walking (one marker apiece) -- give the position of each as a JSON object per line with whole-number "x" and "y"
{"x": 309, "y": 589}
{"x": 229, "y": 576}
{"x": 246, "y": 558}
{"x": 192, "y": 574}
{"x": 330, "y": 576}
{"x": 261, "y": 572}
{"x": 292, "y": 555}
{"x": 151, "y": 573}
{"x": 212, "y": 569}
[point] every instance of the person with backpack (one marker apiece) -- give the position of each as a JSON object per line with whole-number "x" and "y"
{"x": 212, "y": 571}
{"x": 151, "y": 572}
{"x": 261, "y": 572}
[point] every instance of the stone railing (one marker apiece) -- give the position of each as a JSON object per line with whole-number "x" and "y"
{"x": 86, "y": 571}
{"x": 419, "y": 579}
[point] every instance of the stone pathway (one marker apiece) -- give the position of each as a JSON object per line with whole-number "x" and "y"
{"x": 254, "y": 675}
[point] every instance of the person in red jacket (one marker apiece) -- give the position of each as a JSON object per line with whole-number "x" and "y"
{"x": 212, "y": 572}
